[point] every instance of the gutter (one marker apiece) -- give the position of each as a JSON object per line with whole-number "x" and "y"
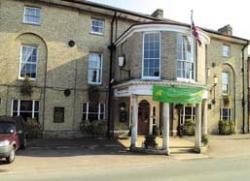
{"x": 113, "y": 9}
{"x": 243, "y": 87}
{"x": 111, "y": 49}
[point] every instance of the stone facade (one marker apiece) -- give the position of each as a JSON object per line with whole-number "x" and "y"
{"x": 210, "y": 64}
{"x": 61, "y": 67}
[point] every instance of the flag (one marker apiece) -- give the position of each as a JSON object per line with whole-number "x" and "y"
{"x": 195, "y": 30}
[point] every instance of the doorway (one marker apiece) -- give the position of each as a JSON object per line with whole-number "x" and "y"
{"x": 143, "y": 117}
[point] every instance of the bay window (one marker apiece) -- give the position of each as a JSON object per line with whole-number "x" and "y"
{"x": 185, "y": 58}
{"x": 151, "y": 59}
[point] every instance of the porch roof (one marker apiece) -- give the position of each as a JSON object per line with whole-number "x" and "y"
{"x": 160, "y": 82}
{"x": 142, "y": 87}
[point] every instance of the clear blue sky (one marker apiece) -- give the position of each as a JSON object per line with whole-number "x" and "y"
{"x": 211, "y": 14}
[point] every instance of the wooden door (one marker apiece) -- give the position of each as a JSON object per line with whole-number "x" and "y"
{"x": 143, "y": 117}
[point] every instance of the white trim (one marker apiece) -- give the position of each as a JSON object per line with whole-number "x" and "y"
{"x": 143, "y": 58}
{"x": 33, "y": 109}
{"x": 161, "y": 27}
{"x": 29, "y": 22}
{"x": 32, "y": 63}
{"x": 191, "y": 61}
{"x": 103, "y": 28}
{"x": 18, "y": 107}
{"x": 100, "y": 70}
{"x": 12, "y": 103}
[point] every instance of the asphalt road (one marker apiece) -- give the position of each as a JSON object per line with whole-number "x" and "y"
{"x": 237, "y": 168}
{"x": 228, "y": 159}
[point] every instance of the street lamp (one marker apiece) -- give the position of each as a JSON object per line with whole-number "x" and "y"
{"x": 214, "y": 85}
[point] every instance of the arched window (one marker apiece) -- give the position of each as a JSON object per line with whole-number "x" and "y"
{"x": 225, "y": 83}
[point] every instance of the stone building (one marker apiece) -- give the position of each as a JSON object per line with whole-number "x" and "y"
{"x": 58, "y": 56}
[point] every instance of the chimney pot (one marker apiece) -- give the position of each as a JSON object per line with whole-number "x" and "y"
{"x": 159, "y": 13}
{"x": 226, "y": 30}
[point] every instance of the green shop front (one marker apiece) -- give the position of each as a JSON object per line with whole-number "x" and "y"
{"x": 163, "y": 109}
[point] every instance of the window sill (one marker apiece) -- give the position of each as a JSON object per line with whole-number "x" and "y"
{"x": 151, "y": 78}
{"x": 29, "y": 23}
{"x": 92, "y": 83}
{"x": 97, "y": 34}
{"x": 31, "y": 79}
{"x": 186, "y": 80}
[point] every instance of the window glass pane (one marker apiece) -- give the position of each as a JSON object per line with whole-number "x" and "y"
{"x": 93, "y": 107}
{"x": 32, "y": 15}
{"x": 97, "y": 26}
{"x": 29, "y": 62}
{"x": 93, "y": 117}
{"x": 185, "y": 57}
{"x": 225, "y": 82}
{"x": 15, "y": 105}
{"x": 26, "y": 106}
{"x": 226, "y": 51}
{"x": 36, "y": 106}
{"x": 152, "y": 55}
{"x": 95, "y": 68}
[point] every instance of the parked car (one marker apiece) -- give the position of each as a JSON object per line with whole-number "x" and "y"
{"x": 12, "y": 137}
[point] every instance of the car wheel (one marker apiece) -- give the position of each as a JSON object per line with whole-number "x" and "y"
{"x": 11, "y": 157}
{"x": 24, "y": 145}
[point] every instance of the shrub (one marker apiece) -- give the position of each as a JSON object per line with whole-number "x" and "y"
{"x": 94, "y": 128}
{"x": 33, "y": 129}
{"x": 156, "y": 131}
{"x": 226, "y": 127}
{"x": 204, "y": 139}
{"x": 26, "y": 87}
{"x": 150, "y": 141}
{"x": 189, "y": 128}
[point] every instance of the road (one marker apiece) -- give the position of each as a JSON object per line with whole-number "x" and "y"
{"x": 236, "y": 168}
{"x": 228, "y": 160}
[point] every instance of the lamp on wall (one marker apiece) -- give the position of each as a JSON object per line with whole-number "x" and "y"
{"x": 214, "y": 85}
{"x": 122, "y": 63}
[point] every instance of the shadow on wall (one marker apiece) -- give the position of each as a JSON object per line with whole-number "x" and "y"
{"x": 64, "y": 68}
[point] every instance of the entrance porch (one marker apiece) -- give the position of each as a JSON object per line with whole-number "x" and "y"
{"x": 147, "y": 116}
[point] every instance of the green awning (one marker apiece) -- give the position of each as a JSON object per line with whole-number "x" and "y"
{"x": 177, "y": 95}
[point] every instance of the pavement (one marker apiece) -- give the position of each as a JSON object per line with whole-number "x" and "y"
{"x": 101, "y": 159}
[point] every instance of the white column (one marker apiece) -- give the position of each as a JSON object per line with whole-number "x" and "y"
{"x": 134, "y": 123}
{"x": 165, "y": 128}
{"x": 204, "y": 127}
{"x": 198, "y": 129}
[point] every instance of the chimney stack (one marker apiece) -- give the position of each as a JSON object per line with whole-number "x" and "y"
{"x": 159, "y": 13}
{"x": 226, "y": 30}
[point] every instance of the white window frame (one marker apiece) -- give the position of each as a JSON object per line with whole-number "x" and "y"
{"x": 99, "y": 111}
{"x": 191, "y": 61}
{"x": 32, "y": 22}
{"x": 226, "y": 50}
{"x": 100, "y": 70}
{"x": 183, "y": 113}
{"x": 143, "y": 58}
{"x": 103, "y": 27}
{"x": 229, "y": 114}
{"x": 226, "y": 84}
{"x": 33, "y": 111}
{"x": 32, "y": 63}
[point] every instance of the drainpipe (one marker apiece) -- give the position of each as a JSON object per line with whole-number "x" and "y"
{"x": 243, "y": 85}
{"x": 111, "y": 48}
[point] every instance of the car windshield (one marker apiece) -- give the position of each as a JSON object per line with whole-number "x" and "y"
{"x": 7, "y": 128}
